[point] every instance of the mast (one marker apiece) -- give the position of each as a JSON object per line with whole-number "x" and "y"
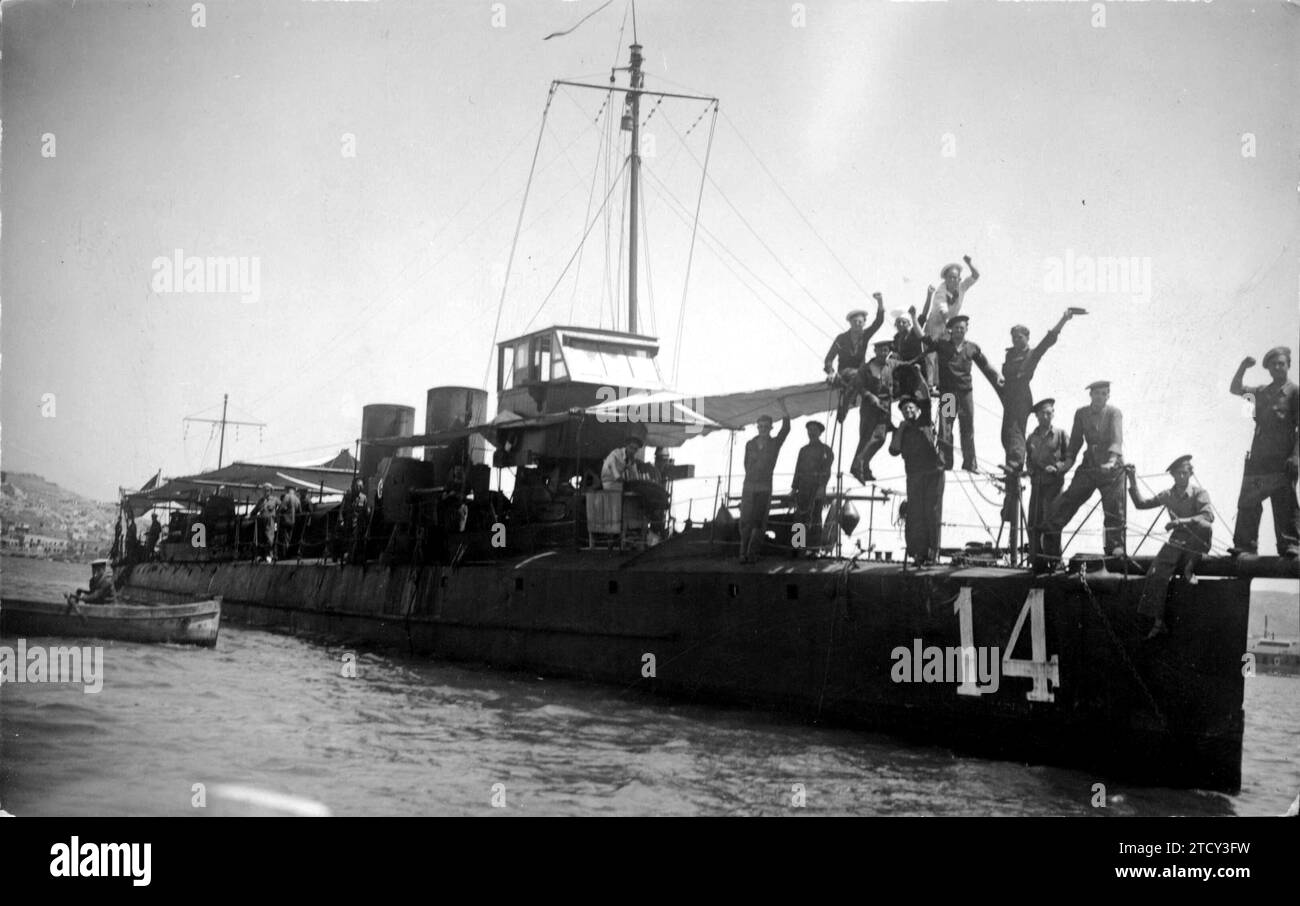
{"x": 633, "y": 108}
{"x": 221, "y": 449}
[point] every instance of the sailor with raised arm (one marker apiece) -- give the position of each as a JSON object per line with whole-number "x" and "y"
{"x": 1190, "y": 528}
{"x": 850, "y": 347}
{"x": 1017, "y": 399}
{"x": 1274, "y": 459}
{"x": 756, "y": 493}
{"x": 943, "y": 305}
{"x": 910, "y": 362}
{"x": 876, "y": 384}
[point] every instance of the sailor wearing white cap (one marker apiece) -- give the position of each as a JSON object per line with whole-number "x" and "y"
{"x": 850, "y": 347}
{"x": 101, "y": 590}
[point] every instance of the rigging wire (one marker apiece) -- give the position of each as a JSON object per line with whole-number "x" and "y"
{"x": 717, "y": 244}
{"x": 753, "y": 232}
{"x": 559, "y": 279}
{"x": 730, "y": 122}
{"x": 395, "y": 290}
{"x": 601, "y": 139}
{"x": 690, "y": 254}
{"x": 487, "y": 371}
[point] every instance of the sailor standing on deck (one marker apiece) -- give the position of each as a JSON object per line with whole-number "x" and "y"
{"x": 355, "y": 515}
{"x": 1102, "y": 470}
{"x": 290, "y": 528}
{"x": 1017, "y": 399}
{"x": 955, "y": 355}
{"x": 756, "y": 493}
{"x": 1190, "y": 529}
{"x": 877, "y": 385}
{"x": 1047, "y": 447}
{"x": 1273, "y": 463}
{"x": 151, "y": 537}
{"x": 917, "y": 443}
{"x": 812, "y": 471}
{"x": 264, "y": 514}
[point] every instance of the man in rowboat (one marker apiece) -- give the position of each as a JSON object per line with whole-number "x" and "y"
{"x": 101, "y": 589}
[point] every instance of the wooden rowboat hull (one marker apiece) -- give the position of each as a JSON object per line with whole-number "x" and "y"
{"x": 193, "y": 623}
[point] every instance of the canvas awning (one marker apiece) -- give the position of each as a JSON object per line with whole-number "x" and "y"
{"x": 670, "y": 418}
{"x": 732, "y": 411}
{"x": 241, "y": 480}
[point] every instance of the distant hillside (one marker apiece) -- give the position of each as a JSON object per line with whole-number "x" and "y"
{"x": 1283, "y": 610}
{"x": 44, "y": 508}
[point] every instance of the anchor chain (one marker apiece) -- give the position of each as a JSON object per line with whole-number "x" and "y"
{"x": 1128, "y": 662}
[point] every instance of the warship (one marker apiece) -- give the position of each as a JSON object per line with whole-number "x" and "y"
{"x": 561, "y": 578}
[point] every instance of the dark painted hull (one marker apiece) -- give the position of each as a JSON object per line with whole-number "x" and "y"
{"x": 815, "y": 638}
{"x": 193, "y": 623}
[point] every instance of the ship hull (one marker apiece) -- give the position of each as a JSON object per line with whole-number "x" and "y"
{"x": 868, "y": 645}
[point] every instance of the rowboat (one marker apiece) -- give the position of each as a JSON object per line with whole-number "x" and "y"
{"x": 189, "y": 623}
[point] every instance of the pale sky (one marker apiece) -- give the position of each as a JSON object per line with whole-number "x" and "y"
{"x": 907, "y": 134}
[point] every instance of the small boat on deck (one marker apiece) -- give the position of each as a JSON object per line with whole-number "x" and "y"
{"x": 189, "y": 623}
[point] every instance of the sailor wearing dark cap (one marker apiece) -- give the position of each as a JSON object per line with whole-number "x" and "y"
{"x": 1273, "y": 463}
{"x": 955, "y": 355}
{"x": 1017, "y": 399}
{"x": 812, "y": 471}
{"x": 1046, "y": 449}
{"x": 1100, "y": 425}
{"x": 878, "y": 386}
{"x": 851, "y": 346}
{"x": 756, "y": 493}
{"x": 1190, "y": 528}
{"x": 917, "y": 443}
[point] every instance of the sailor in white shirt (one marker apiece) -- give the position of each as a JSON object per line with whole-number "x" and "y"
{"x": 621, "y": 465}
{"x": 947, "y": 300}
{"x": 942, "y": 305}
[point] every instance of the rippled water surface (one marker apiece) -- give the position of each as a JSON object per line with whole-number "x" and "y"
{"x": 414, "y": 737}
